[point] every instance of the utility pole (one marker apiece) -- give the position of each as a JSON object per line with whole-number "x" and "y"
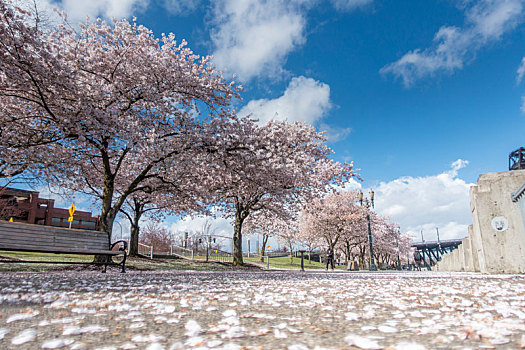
{"x": 369, "y": 204}
{"x": 397, "y": 248}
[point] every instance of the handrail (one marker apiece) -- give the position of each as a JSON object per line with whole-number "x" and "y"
{"x": 148, "y": 249}
{"x": 181, "y": 251}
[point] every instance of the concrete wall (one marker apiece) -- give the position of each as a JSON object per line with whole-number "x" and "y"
{"x": 493, "y": 245}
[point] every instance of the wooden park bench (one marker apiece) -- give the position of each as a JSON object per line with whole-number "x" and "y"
{"x": 22, "y": 237}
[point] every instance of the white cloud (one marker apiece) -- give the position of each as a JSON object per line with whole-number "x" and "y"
{"x": 424, "y": 203}
{"x": 334, "y": 134}
{"x": 521, "y": 71}
{"x": 181, "y": 7}
{"x": 253, "y": 37}
{"x": 348, "y": 5}
{"x": 78, "y": 10}
{"x": 304, "y": 99}
{"x": 350, "y": 185}
{"x": 485, "y": 21}
{"x": 219, "y": 225}
{"x": 457, "y": 165}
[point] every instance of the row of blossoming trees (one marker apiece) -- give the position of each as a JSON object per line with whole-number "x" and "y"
{"x": 141, "y": 123}
{"x": 338, "y": 221}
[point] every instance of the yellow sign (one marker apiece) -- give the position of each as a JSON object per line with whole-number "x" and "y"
{"x": 268, "y": 247}
{"x": 72, "y": 209}
{"x": 10, "y": 219}
{"x": 70, "y": 219}
{"x": 215, "y": 251}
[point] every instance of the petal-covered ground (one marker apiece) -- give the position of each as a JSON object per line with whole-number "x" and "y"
{"x": 261, "y": 310}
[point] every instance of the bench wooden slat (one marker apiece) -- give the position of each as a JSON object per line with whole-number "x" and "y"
{"x": 58, "y": 240}
{"x": 70, "y": 233}
{"x": 42, "y": 228}
{"x": 51, "y": 241}
{"x": 60, "y": 250}
{"x": 55, "y": 236}
{"x": 41, "y": 247}
{"x": 57, "y": 243}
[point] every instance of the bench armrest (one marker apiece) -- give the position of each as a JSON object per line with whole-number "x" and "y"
{"x": 117, "y": 242}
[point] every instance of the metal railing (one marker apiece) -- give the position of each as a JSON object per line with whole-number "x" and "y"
{"x": 145, "y": 250}
{"x": 183, "y": 252}
{"x": 221, "y": 256}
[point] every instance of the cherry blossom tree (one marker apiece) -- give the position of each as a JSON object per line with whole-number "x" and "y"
{"x": 332, "y": 217}
{"x": 181, "y": 195}
{"x": 273, "y": 165}
{"x": 261, "y": 223}
{"x": 25, "y": 62}
{"x": 355, "y": 239}
{"x": 342, "y": 223}
{"x": 122, "y": 106}
{"x": 309, "y": 239}
{"x": 288, "y": 234}
{"x": 388, "y": 241}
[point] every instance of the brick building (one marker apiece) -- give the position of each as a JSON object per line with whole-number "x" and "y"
{"x": 27, "y": 206}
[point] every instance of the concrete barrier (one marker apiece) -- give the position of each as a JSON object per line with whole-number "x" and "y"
{"x": 496, "y": 238}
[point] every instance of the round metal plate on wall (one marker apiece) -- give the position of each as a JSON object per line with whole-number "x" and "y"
{"x": 500, "y": 223}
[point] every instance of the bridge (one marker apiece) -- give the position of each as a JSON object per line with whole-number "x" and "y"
{"x": 429, "y": 253}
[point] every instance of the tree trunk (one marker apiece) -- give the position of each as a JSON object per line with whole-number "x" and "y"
{"x": 107, "y": 216}
{"x": 134, "y": 237}
{"x": 138, "y": 210}
{"x": 240, "y": 215}
{"x": 263, "y": 248}
{"x": 291, "y": 255}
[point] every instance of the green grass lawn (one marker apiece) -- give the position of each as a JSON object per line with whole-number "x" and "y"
{"x": 132, "y": 263}
{"x": 284, "y": 263}
{"x": 145, "y": 264}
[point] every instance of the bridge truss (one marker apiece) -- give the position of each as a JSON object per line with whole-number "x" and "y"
{"x": 429, "y": 253}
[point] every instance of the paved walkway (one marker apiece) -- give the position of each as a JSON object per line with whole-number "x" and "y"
{"x": 261, "y": 310}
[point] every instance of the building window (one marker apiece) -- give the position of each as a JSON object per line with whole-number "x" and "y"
{"x": 89, "y": 223}
{"x": 56, "y": 220}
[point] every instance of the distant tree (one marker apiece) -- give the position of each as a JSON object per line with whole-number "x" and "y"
{"x": 288, "y": 235}
{"x": 342, "y": 224}
{"x": 332, "y": 217}
{"x": 181, "y": 195}
{"x": 158, "y": 236}
{"x": 272, "y": 165}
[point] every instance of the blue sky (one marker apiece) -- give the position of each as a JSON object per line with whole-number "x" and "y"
{"x": 423, "y": 96}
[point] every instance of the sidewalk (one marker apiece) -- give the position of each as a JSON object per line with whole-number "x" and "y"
{"x": 261, "y": 310}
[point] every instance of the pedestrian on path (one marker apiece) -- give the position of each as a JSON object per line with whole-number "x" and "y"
{"x": 330, "y": 258}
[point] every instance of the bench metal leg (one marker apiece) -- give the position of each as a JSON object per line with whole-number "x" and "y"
{"x": 105, "y": 268}
{"x": 124, "y": 263}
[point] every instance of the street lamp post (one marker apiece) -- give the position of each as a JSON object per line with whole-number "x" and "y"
{"x": 369, "y": 203}
{"x": 249, "y": 246}
{"x": 120, "y": 229}
{"x": 397, "y": 248}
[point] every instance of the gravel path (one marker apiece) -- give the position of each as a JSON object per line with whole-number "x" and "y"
{"x": 261, "y": 310}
